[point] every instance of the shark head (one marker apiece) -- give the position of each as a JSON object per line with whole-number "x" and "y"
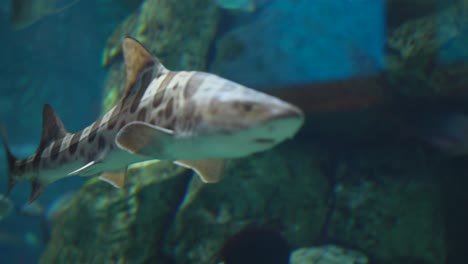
{"x": 236, "y": 121}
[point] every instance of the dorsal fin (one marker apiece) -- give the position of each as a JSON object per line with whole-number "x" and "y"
{"x": 52, "y": 127}
{"x": 137, "y": 58}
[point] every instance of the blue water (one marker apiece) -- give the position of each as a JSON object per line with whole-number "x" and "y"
{"x": 309, "y": 40}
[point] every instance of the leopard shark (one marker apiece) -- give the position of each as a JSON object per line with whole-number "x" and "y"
{"x": 195, "y": 119}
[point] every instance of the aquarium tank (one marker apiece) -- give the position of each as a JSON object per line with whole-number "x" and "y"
{"x": 234, "y": 131}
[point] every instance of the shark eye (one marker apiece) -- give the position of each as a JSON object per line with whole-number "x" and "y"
{"x": 244, "y": 106}
{"x": 247, "y": 107}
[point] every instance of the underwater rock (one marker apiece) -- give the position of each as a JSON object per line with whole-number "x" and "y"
{"x": 329, "y": 254}
{"x": 427, "y": 35}
{"x": 165, "y": 28}
{"x": 384, "y": 201}
{"x": 424, "y": 57}
{"x": 109, "y": 225}
{"x": 389, "y": 204}
{"x": 162, "y": 26}
{"x": 280, "y": 190}
{"x": 426, "y": 54}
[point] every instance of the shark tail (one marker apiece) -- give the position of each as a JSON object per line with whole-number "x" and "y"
{"x": 11, "y": 159}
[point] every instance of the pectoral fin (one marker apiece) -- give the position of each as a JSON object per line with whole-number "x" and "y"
{"x": 208, "y": 170}
{"x": 114, "y": 178}
{"x": 144, "y": 139}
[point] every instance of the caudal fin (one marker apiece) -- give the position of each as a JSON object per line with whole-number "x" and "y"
{"x": 10, "y": 159}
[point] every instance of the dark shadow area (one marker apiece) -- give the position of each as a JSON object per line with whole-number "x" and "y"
{"x": 255, "y": 245}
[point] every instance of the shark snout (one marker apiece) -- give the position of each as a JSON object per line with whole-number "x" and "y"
{"x": 283, "y": 122}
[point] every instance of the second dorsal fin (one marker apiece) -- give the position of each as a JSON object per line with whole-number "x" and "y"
{"x": 137, "y": 59}
{"x": 52, "y": 127}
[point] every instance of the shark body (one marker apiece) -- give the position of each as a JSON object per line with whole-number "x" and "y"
{"x": 195, "y": 119}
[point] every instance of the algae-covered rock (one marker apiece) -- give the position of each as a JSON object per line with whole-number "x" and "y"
{"x": 108, "y": 225}
{"x": 179, "y": 32}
